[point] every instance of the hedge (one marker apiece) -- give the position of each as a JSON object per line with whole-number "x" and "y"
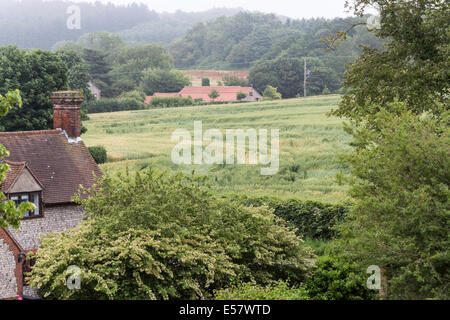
{"x": 313, "y": 219}
{"x": 110, "y": 105}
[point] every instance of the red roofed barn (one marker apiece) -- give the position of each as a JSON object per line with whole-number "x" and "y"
{"x": 226, "y": 94}
{"x": 46, "y": 168}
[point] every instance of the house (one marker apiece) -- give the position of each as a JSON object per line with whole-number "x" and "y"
{"x": 96, "y": 92}
{"x": 226, "y": 94}
{"x": 46, "y": 168}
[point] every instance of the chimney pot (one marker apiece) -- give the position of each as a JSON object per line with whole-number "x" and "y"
{"x": 67, "y": 112}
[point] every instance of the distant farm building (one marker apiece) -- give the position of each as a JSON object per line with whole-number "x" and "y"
{"x": 225, "y": 94}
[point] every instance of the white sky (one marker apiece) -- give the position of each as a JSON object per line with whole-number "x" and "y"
{"x": 290, "y": 8}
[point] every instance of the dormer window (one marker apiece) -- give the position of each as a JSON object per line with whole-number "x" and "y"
{"x": 33, "y": 197}
{"x": 21, "y": 186}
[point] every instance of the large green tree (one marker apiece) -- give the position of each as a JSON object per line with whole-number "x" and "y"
{"x": 397, "y": 101}
{"x": 10, "y": 215}
{"x": 161, "y": 80}
{"x": 78, "y": 72}
{"x": 36, "y": 74}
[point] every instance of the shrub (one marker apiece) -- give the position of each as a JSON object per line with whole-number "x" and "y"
{"x": 337, "y": 279}
{"x": 248, "y": 291}
{"x": 98, "y": 153}
{"x": 241, "y": 96}
{"x": 111, "y": 105}
{"x": 271, "y": 93}
{"x": 162, "y": 236}
{"x": 170, "y": 102}
{"x": 313, "y": 219}
{"x": 206, "y": 82}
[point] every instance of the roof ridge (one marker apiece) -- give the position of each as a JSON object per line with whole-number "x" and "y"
{"x": 34, "y": 132}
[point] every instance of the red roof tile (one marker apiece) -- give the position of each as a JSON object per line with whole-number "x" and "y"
{"x": 58, "y": 165}
{"x": 228, "y": 93}
{"x": 15, "y": 168}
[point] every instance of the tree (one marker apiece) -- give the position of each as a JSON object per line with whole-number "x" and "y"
{"x": 397, "y": 101}
{"x": 78, "y": 72}
{"x": 413, "y": 67}
{"x": 99, "y": 69}
{"x": 205, "y": 82}
{"x": 400, "y": 220}
{"x": 164, "y": 236}
{"x": 36, "y": 74}
{"x": 130, "y": 62}
{"x": 271, "y": 93}
{"x": 9, "y": 214}
{"x": 214, "y": 94}
{"x": 161, "y": 80}
{"x": 241, "y": 96}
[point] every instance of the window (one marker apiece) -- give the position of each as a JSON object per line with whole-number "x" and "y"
{"x": 34, "y": 198}
{"x": 250, "y": 93}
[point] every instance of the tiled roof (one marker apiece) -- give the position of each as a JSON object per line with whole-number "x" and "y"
{"x": 60, "y": 166}
{"x": 15, "y": 168}
{"x": 226, "y": 93}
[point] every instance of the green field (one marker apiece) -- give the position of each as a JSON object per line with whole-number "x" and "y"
{"x": 309, "y": 143}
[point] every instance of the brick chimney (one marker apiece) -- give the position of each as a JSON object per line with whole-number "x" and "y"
{"x": 67, "y": 112}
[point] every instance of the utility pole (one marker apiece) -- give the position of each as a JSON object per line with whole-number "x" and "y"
{"x": 304, "y": 81}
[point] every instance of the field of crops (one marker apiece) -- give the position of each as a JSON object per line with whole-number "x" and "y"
{"x": 309, "y": 144}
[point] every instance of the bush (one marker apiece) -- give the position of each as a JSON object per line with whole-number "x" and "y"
{"x": 162, "y": 236}
{"x": 98, "y": 153}
{"x": 271, "y": 93}
{"x": 337, "y": 279}
{"x": 248, "y": 291}
{"x": 206, "y": 82}
{"x": 313, "y": 219}
{"x": 111, "y": 105}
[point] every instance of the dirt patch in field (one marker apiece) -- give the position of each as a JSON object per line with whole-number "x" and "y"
{"x": 214, "y": 76}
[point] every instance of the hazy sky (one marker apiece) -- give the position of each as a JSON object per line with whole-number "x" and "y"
{"x": 290, "y": 8}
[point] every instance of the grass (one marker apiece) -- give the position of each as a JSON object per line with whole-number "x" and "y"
{"x": 309, "y": 144}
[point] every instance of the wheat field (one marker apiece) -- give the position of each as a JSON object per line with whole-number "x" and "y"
{"x": 309, "y": 144}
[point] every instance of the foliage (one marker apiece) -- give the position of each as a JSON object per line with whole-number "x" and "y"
{"x": 130, "y": 62}
{"x": 413, "y": 67}
{"x": 41, "y": 24}
{"x": 78, "y": 76}
{"x": 159, "y": 80}
{"x": 98, "y": 153}
{"x": 271, "y": 93}
{"x": 401, "y": 214}
{"x": 111, "y": 105}
{"x": 337, "y": 279}
{"x": 287, "y": 75}
{"x": 166, "y": 236}
{"x": 312, "y": 219}
{"x": 397, "y": 100}
{"x": 214, "y": 94}
{"x": 99, "y": 69}
{"x": 206, "y": 82}
{"x": 168, "y": 102}
{"x": 36, "y": 74}
{"x": 9, "y": 214}
{"x": 248, "y": 291}
{"x": 241, "y": 95}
